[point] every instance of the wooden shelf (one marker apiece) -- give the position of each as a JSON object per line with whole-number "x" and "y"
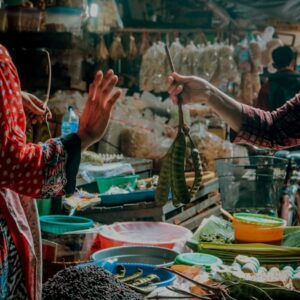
{"x": 31, "y": 40}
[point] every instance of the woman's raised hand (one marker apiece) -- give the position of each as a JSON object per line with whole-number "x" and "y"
{"x": 98, "y": 108}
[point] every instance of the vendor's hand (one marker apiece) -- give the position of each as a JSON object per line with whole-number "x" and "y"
{"x": 97, "y": 110}
{"x": 192, "y": 89}
{"x": 34, "y": 108}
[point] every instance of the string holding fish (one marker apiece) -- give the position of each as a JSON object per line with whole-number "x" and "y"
{"x": 172, "y": 173}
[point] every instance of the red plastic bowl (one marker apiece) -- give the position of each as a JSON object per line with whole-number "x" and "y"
{"x": 143, "y": 233}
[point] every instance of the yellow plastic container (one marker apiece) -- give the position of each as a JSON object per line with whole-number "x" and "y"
{"x": 257, "y": 228}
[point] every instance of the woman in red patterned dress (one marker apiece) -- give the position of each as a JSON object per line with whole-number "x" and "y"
{"x": 30, "y": 171}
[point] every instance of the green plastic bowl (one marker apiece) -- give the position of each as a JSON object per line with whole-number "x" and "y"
{"x": 59, "y": 224}
{"x": 105, "y": 183}
{"x": 259, "y": 219}
{"x": 203, "y": 260}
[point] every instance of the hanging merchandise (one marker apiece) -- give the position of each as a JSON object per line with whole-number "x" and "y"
{"x": 153, "y": 72}
{"x": 187, "y": 66}
{"x": 255, "y": 84}
{"x": 145, "y": 44}
{"x": 132, "y": 51}
{"x": 256, "y": 56}
{"x": 175, "y": 52}
{"x": 247, "y": 93}
{"x": 117, "y": 51}
{"x": 102, "y": 53}
{"x": 172, "y": 176}
{"x": 242, "y": 55}
{"x": 210, "y": 61}
{"x": 226, "y": 71}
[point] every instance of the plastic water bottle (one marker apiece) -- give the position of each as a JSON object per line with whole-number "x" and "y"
{"x": 70, "y": 121}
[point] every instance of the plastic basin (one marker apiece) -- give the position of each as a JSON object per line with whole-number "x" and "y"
{"x": 257, "y": 228}
{"x": 143, "y": 233}
{"x": 60, "y": 223}
{"x": 137, "y": 254}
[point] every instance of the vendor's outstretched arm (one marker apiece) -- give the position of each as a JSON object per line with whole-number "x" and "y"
{"x": 227, "y": 108}
{"x": 195, "y": 90}
{"x": 277, "y": 129}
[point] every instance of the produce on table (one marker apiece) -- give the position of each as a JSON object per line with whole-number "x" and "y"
{"x": 227, "y": 286}
{"x": 172, "y": 176}
{"x": 88, "y": 283}
{"x": 133, "y": 276}
{"x": 100, "y": 158}
{"x": 296, "y": 280}
{"x": 292, "y": 239}
{"x": 265, "y": 253}
{"x": 137, "y": 280}
{"x": 121, "y": 271}
{"x": 215, "y": 230}
{"x": 249, "y": 268}
{"x": 261, "y": 274}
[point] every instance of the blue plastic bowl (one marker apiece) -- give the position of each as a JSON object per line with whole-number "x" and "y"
{"x": 166, "y": 278}
{"x": 59, "y": 224}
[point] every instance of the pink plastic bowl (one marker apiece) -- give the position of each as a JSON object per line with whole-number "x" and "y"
{"x": 144, "y": 233}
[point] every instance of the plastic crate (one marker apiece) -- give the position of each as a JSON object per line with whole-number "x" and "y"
{"x": 105, "y": 183}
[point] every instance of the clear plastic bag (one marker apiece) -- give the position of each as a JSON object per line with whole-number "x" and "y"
{"x": 227, "y": 69}
{"x": 211, "y": 147}
{"x": 154, "y": 69}
{"x": 175, "y": 52}
{"x": 210, "y": 61}
{"x": 90, "y": 172}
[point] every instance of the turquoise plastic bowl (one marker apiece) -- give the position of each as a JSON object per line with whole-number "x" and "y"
{"x": 59, "y": 224}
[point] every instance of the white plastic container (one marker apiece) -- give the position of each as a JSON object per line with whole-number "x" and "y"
{"x": 64, "y": 19}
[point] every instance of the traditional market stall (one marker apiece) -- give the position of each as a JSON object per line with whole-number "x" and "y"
{"x": 164, "y": 205}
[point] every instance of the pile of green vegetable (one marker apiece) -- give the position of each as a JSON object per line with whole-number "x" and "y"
{"x": 291, "y": 238}
{"x": 136, "y": 281}
{"x": 265, "y": 253}
{"x": 215, "y": 230}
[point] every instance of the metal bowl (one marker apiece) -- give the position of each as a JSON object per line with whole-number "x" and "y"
{"x": 137, "y": 254}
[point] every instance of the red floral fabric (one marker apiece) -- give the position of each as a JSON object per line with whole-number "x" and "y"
{"x": 26, "y": 171}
